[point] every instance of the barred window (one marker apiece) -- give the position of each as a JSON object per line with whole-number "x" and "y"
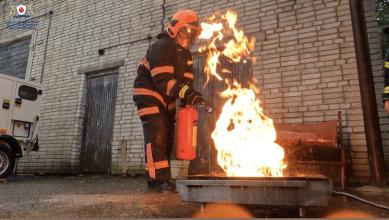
{"x": 14, "y": 57}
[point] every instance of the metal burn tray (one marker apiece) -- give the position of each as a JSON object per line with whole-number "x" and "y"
{"x": 299, "y": 191}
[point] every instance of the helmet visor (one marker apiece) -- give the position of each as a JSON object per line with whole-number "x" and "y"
{"x": 192, "y": 33}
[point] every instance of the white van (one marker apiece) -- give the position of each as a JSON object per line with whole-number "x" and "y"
{"x": 19, "y": 116}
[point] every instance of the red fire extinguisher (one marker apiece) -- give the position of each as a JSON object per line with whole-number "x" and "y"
{"x": 186, "y": 129}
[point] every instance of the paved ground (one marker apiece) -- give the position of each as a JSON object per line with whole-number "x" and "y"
{"x": 114, "y": 196}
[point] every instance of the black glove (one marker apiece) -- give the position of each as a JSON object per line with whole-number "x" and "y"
{"x": 195, "y": 98}
{"x": 182, "y": 103}
{"x": 192, "y": 97}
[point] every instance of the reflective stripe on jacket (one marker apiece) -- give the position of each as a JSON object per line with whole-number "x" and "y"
{"x": 385, "y": 95}
{"x": 161, "y": 73}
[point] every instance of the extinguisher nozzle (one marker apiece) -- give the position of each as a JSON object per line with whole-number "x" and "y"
{"x": 206, "y": 107}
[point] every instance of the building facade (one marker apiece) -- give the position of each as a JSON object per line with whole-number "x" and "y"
{"x": 306, "y": 69}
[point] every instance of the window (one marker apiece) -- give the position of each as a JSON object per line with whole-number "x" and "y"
{"x": 28, "y": 92}
{"x": 14, "y": 57}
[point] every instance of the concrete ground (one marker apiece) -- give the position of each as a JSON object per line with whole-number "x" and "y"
{"x": 116, "y": 196}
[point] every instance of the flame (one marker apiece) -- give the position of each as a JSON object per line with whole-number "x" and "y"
{"x": 209, "y": 30}
{"x": 245, "y": 137}
{"x": 213, "y": 32}
{"x": 240, "y": 45}
{"x": 221, "y": 29}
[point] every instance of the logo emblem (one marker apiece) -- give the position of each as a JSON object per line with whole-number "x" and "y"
{"x": 21, "y": 9}
{"x": 20, "y": 13}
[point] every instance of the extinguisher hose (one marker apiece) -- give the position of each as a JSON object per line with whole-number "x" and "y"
{"x": 360, "y": 200}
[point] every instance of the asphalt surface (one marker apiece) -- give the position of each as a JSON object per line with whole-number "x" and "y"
{"x": 116, "y": 196}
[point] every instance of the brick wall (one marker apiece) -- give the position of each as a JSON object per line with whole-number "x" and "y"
{"x": 305, "y": 67}
{"x": 78, "y": 29}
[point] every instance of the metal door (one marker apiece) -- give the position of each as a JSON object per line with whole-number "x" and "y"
{"x": 98, "y": 123}
{"x": 206, "y": 160}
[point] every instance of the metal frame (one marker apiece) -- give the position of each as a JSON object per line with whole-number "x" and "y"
{"x": 268, "y": 191}
{"x": 342, "y": 152}
{"x": 340, "y": 148}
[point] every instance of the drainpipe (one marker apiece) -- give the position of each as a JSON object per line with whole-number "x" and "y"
{"x": 50, "y": 13}
{"x": 369, "y": 104}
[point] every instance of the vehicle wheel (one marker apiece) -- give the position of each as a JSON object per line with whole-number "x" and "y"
{"x": 7, "y": 160}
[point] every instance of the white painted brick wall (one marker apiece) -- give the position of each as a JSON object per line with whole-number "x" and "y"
{"x": 306, "y": 64}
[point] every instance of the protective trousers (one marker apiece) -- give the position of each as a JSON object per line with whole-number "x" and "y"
{"x": 158, "y": 131}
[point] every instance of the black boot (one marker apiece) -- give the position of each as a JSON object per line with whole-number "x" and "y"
{"x": 166, "y": 187}
{"x": 151, "y": 186}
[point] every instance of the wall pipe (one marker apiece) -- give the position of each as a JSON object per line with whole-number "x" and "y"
{"x": 368, "y": 97}
{"x": 46, "y": 43}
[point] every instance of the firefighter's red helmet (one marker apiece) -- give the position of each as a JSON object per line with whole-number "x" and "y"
{"x": 184, "y": 19}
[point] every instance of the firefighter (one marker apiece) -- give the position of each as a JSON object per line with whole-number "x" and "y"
{"x": 385, "y": 96}
{"x": 164, "y": 75}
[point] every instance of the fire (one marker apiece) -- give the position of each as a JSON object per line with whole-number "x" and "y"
{"x": 240, "y": 46}
{"x": 244, "y": 136}
{"x": 225, "y": 39}
{"x": 213, "y": 32}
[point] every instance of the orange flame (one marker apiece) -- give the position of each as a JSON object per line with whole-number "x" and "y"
{"x": 244, "y": 136}
{"x": 217, "y": 32}
{"x": 240, "y": 45}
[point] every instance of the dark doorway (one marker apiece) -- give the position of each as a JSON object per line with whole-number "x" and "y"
{"x": 98, "y": 123}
